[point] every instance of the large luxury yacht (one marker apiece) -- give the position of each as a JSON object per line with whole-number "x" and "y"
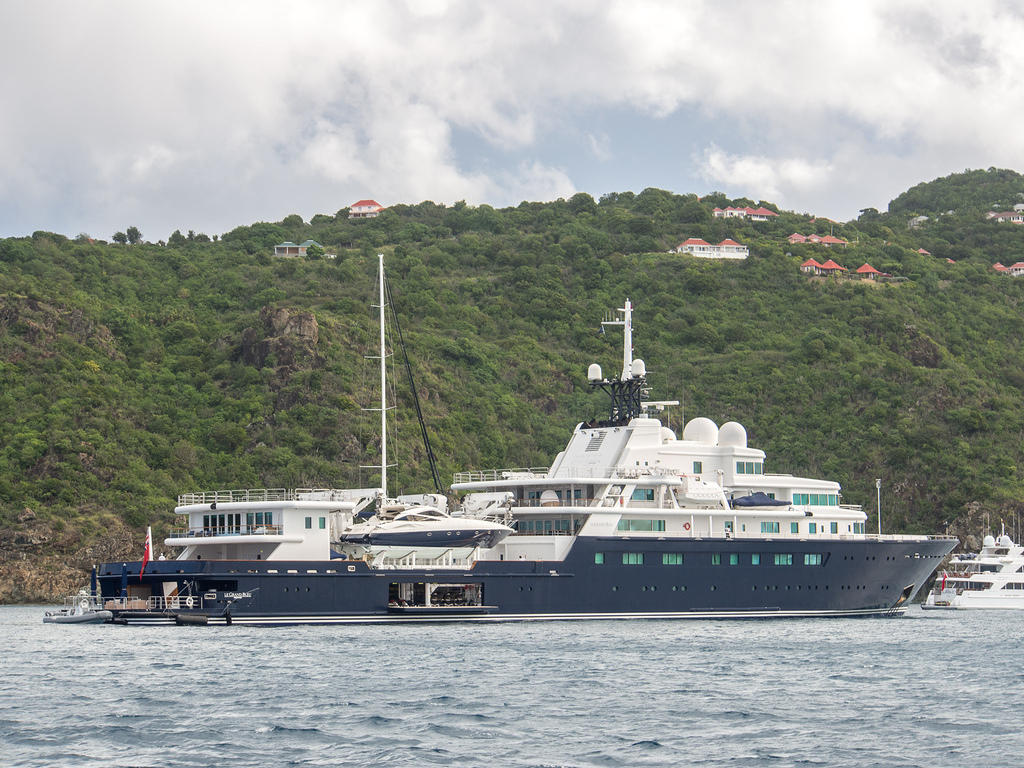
{"x": 630, "y": 520}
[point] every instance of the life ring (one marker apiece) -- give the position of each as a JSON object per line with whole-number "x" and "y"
{"x": 189, "y": 601}
{"x": 686, "y": 526}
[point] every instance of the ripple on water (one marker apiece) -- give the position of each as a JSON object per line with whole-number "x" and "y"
{"x": 573, "y": 695}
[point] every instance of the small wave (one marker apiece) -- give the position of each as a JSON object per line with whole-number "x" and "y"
{"x": 647, "y": 744}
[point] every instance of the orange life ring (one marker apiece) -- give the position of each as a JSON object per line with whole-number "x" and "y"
{"x": 686, "y": 526}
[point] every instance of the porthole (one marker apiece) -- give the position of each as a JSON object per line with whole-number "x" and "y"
{"x": 713, "y": 587}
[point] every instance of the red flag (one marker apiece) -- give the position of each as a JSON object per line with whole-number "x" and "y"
{"x": 943, "y": 580}
{"x": 148, "y": 554}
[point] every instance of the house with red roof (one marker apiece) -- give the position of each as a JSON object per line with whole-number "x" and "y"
{"x": 727, "y": 249}
{"x": 730, "y": 249}
{"x": 811, "y": 267}
{"x": 1016, "y": 269}
{"x": 831, "y": 268}
{"x": 869, "y": 272}
{"x": 828, "y": 241}
{"x": 923, "y": 252}
{"x": 999, "y": 267}
{"x": 1014, "y": 217}
{"x": 365, "y": 209}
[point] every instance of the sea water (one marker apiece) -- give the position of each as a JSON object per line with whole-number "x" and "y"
{"x": 930, "y": 689}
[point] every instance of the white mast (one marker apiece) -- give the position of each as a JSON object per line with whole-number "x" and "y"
{"x": 383, "y": 388}
{"x": 627, "y": 338}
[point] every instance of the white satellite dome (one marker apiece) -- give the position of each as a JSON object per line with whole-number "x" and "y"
{"x": 701, "y": 430}
{"x": 594, "y": 372}
{"x": 667, "y": 435}
{"x": 989, "y": 541}
{"x": 732, "y": 434}
{"x": 638, "y": 369}
{"x": 1005, "y": 541}
{"x": 549, "y": 499}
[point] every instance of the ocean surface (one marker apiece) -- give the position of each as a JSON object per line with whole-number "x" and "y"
{"x": 930, "y": 689}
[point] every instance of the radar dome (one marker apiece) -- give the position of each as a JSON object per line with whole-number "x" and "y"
{"x": 594, "y": 372}
{"x": 701, "y": 430}
{"x": 989, "y": 541}
{"x": 732, "y": 434}
{"x": 667, "y": 435}
{"x": 638, "y": 369}
{"x": 1005, "y": 541}
{"x": 549, "y": 499}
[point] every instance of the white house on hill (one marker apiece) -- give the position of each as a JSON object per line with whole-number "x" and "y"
{"x": 293, "y": 250}
{"x": 365, "y": 209}
{"x": 754, "y": 214}
{"x": 727, "y": 249}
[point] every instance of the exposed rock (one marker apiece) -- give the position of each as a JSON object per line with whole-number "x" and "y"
{"x": 287, "y": 338}
{"x": 40, "y": 565}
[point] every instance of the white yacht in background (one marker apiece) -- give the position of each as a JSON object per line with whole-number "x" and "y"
{"x": 991, "y": 578}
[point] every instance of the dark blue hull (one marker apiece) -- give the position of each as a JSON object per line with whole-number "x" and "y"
{"x": 600, "y": 578}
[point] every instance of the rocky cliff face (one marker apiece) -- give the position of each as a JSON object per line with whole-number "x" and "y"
{"x": 287, "y": 340}
{"x": 40, "y": 564}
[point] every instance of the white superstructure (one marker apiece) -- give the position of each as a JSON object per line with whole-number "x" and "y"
{"x": 631, "y": 476}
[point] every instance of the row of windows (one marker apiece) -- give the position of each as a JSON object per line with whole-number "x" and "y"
{"x": 562, "y": 525}
{"x": 816, "y": 499}
{"x": 772, "y": 526}
{"x": 642, "y": 494}
{"x": 749, "y": 467}
{"x": 641, "y": 525}
{"x": 322, "y": 522}
{"x": 733, "y": 558}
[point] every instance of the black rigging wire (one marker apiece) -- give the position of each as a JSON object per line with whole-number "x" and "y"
{"x": 415, "y": 395}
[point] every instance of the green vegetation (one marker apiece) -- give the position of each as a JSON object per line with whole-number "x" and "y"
{"x": 132, "y": 372}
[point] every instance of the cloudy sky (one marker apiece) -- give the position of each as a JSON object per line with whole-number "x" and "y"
{"x": 198, "y": 115}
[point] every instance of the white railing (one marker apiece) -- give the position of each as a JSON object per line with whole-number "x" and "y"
{"x": 248, "y": 495}
{"x": 225, "y": 530}
{"x": 488, "y": 475}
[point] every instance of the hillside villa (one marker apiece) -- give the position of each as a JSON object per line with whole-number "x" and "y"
{"x": 865, "y": 271}
{"x": 727, "y": 249}
{"x": 754, "y": 214}
{"x": 365, "y": 209}
{"x": 1014, "y": 216}
{"x": 290, "y": 250}
{"x": 1014, "y": 269}
{"x": 826, "y": 240}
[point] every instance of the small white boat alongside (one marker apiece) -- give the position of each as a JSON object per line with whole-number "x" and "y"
{"x": 990, "y": 579}
{"x": 79, "y": 609}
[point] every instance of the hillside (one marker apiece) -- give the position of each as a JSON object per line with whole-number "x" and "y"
{"x": 131, "y": 373}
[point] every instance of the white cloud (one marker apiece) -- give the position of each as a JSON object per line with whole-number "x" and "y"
{"x": 221, "y": 114}
{"x": 775, "y": 179}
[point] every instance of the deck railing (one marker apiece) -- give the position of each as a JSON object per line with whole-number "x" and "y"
{"x": 249, "y": 495}
{"x": 152, "y": 603}
{"x": 226, "y": 530}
